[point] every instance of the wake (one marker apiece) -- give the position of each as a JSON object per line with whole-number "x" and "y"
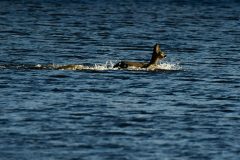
{"x": 163, "y": 66}
{"x": 109, "y": 66}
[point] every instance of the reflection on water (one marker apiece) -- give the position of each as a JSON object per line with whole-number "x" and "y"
{"x": 185, "y": 108}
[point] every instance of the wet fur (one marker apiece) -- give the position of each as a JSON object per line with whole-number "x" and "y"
{"x": 157, "y": 55}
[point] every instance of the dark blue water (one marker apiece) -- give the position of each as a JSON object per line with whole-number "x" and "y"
{"x": 189, "y": 110}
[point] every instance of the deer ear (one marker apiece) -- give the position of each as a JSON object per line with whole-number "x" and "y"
{"x": 156, "y": 48}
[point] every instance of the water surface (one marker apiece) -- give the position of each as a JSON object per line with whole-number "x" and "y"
{"x": 189, "y": 110}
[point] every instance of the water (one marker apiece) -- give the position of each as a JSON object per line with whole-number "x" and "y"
{"x": 188, "y": 108}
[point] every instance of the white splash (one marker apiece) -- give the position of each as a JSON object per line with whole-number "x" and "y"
{"x": 160, "y": 67}
{"x": 169, "y": 66}
{"x": 109, "y": 66}
{"x": 99, "y": 67}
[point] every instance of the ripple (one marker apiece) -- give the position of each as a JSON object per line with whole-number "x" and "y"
{"x": 61, "y": 98}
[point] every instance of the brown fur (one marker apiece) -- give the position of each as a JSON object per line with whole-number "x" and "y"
{"x": 157, "y": 55}
{"x": 68, "y": 67}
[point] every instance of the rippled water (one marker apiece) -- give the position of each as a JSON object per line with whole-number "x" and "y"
{"x": 187, "y": 109}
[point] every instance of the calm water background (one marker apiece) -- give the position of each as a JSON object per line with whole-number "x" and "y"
{"x": 192, "y": 113}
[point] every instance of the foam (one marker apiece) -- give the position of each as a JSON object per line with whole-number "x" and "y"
{"x": 169, "y": 66}
{"x": 109, "y": 66}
